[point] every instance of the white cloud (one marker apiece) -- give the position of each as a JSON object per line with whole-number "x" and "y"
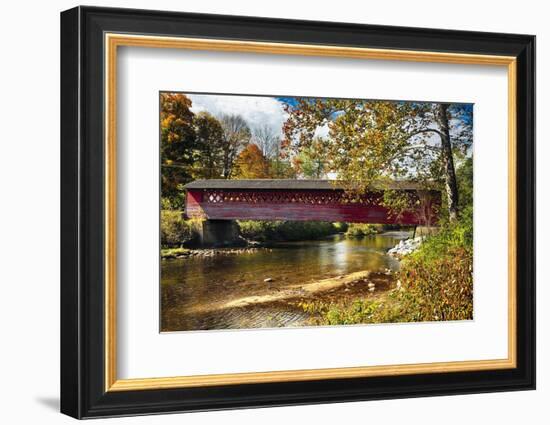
{"x": 322, "y": 131}
{"x": 256, "y": 110}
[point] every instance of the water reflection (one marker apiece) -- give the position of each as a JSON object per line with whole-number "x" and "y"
{"x": 196, "y": 282}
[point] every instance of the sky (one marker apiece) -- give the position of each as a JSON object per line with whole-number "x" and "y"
{"x": 256, "y": 110}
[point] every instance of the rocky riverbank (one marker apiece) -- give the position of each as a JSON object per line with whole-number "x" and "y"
{"x": 406, "y": 247}
{"x": 179, "y": 253}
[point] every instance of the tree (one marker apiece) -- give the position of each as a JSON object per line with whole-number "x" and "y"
{"x": 267, "y": 140}
{"x": 209, "y": 140}
{"x": 251, "y": 164}
{"x": 380, "y": 140}
{"x": 236, "y": 135}
{"x": 281, "y": 169}
{"x": 451, "y": 187}
{"x": 178, "y": 149}
{"x": 310, "y": 161}
{"x": 465, "y": 179}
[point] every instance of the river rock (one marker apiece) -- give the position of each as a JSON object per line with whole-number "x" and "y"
{"x": 406, "y": 247}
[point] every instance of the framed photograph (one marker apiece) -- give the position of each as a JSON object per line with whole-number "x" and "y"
{"x": 261, "y": 212}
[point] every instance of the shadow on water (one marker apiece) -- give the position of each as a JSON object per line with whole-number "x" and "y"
{"x": 191, "y": 284}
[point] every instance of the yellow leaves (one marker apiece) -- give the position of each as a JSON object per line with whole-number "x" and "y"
{"x": 251, "y": 164}
{"x": 167, "y": 121}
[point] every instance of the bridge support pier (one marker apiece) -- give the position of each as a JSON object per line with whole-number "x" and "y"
{"x": 220, "y": 233}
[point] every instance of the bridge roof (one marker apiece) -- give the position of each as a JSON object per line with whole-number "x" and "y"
{"x": 290, "y": 184}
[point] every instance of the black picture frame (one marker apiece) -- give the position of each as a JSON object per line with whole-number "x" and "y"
{"x": 83, "y": 392}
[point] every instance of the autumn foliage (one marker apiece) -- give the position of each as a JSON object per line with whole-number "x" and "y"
{"x": 251, "y": 164}
{"x": 203, "y": 146}
{"x": 178, "y": 150}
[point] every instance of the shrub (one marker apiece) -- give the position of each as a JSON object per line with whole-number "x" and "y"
{"x": 438, "y": 289}
{"x": 359, "y": 230}
{"x": 266, "y": 231}
{"x": 341, "y": 226}
{"x": 174, "y": 230}
{"x": 450, "y": 237}
{"x": 438, "y": 278}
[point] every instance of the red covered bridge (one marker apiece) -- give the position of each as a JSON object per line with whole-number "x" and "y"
{"x": 303, "y": 200}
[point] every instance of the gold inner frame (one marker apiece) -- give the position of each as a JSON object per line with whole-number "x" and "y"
{"x": 113, "y": 41}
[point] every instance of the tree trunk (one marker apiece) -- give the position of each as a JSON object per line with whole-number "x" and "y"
{"x": 448, "y": 162}
{"x": 226, "y": 173}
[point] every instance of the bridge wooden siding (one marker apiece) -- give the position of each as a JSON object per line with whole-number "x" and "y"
{"x": 301, "y": 200}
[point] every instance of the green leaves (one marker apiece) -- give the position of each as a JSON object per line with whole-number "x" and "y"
{"x": 209, "y": 139}
{"x": 263, "y": 231}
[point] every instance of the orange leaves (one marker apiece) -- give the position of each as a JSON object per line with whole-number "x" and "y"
{"x": 251, "y": 164}
{"x": 177, "y": 137}
{"x": 175, "y": 117}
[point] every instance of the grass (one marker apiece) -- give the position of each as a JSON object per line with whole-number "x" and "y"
{"x": 166, "y": 253}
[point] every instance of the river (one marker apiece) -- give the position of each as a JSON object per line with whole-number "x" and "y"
{"x": 195, "y": 289}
